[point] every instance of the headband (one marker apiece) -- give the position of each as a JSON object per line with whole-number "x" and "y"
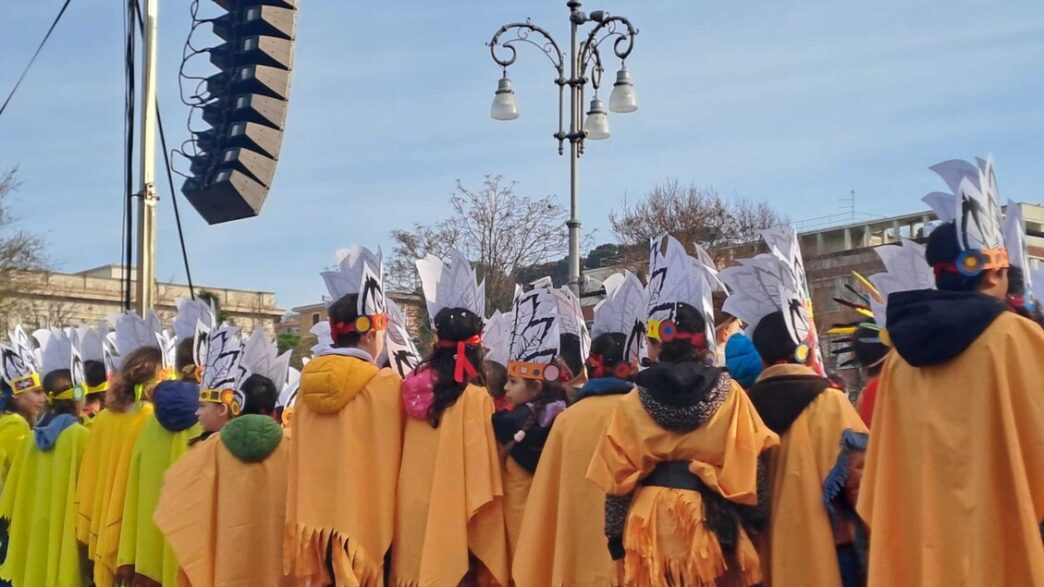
{"x": 225, "y": 397}
{"x": 549, "y": 372}
{"x": 25, "y": 383}
{"x": 360, "y": 325}
{"x": 668, "y": 331}
{"x": 621, "y": 370}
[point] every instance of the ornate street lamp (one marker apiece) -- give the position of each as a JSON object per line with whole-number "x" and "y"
{"x": 584, "y": 57}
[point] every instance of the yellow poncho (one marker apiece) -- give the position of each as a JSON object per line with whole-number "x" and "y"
{"x": 38, "y": 502}
{"x": 102, "y": 487}
{"x": 13, "y": 430}
{"x": 223, "y": 506}
{"x": 344, "y": 466}
{"x": 799, "y": 546}
{"x": 141, "y": 543}
{"x": 953, "y": 489}
{"x": 666, "y": 537}
{"x": 562, "y": 542}
{"x": 450, "y": 498}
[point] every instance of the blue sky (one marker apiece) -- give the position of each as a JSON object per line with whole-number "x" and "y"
{"x": 795, "y": 103}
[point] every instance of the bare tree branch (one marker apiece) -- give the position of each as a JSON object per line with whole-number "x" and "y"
{"x": 20, "y": 251}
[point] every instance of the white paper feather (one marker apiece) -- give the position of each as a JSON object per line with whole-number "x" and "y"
{"x": 223, "y": 367}
{"x": 189, "y": 313}
{"x": 324, "y": 341}
{"x": 92, "y": 341}
{"x": 58, "y": 352}
{"x": 19, "y": 357}
{"x": 571, "y": 319}
{"x": 451, "y": 284}
{"x": 673, "y": 280}
{"x": 288, "y": 395}
{"x": 261, "y": 356}
{"x": 402, "y": 354}
{"x": 76, "y": 370}
{"x": 496, "y": 337}
{"x": 535, "y": 330}
{"x": 359, "y": 271}
{"x": 132, "y": 333}
{"x": 622, "y": 312}
{"x": 973, "y": 203}
{"x": 759, "y": 286}
{"x": 1015, "y": 237}
{"x": 906, "y": 269}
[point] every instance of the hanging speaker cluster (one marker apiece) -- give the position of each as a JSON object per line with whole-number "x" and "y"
{"x": 235, "y": 159}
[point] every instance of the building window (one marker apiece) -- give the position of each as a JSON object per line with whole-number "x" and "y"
{"x": 315, "y": 318}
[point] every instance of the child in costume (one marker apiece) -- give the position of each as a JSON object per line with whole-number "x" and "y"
{"x": 862, "y": 339}
{"x": 679, "y": 459}
{"x": 563, "y": 529}
{"x": 449, "y": 520}
{"x": 21, "y": 396}
{"x": 953, "y": 489}
{"x": 222, "y": 506}
{"x": 102, "y": 486}
{"x": 538, "y": 379}
{"x": 496, "y": 340}
{"x": 93, "y": 350}
{"x": 813, "y": 475}
{"x": 347, "y": 436}
{"x": 37, "y": 501}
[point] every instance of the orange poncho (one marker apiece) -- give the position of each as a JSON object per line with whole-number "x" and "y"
{"x": 811, "y": 462}
{"x": 102, "y": 486}
{"x": 223, "y": 505}
{"x": 450, "y": 498}
{"x": 344, "y": 466}
{"x": 666, "y": 538}
{"x": 953, "y": 489}
{"x": 562, "y": 542}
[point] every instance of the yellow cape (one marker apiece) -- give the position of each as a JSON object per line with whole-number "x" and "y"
{"x": 562, "y": 541}
{"x": 38, "y": 501}
{"x": 13, "y": 430}
{"x": 450, "y": 497}
{"x": 224, "y": 517}
{"x": 102, "y": 486}
{"x": 141, "y": 543}
{"x": 666, "y": 538}
{"x": 344, "y": 466}
{"x": 953, "y": 489}
{"x": 798, "y": 547}
{"x": 516, "y": 481}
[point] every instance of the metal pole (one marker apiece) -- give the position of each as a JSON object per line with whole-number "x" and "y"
{"x": 147, "y": 200}
{"x": 574, "y": 155}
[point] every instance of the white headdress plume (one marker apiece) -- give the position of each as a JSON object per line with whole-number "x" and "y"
{"x": 906, "y": 269}
{"x": 705, "y": 264}
{"x": 261, "y": 356}
{"x": 1015, "y": 243}
{"x": 535, "y": 335}
{"x": 972, "y": 205}
{"x": 288, "y": 394}
{"x": 451, "y": 284}
{"x": 223, "y": 369}
{"x": 58, "y": 352}
{"x": 324, "y": 342}
{"x": 673, "y": 279}
{"x": 76, "y": 370}
{"x": 359, "y": 271}
{"x": 190, "y": 312}
{"x": 1038, "y": 284}
{"x": 622, "y": 312}
{"x": 761, "y": 286}
{"x": 496, "y": 337}
{"x": 21, "y": 365}
{"x": 92, "y": 343}
{"x": 571, "y": 319}
{"x": 109, "y": 355}
{"x": 133, "y": 333}
{"x": 402, "y": 354}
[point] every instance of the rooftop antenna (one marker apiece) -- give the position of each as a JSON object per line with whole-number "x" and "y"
{"x": 848, "y": 204}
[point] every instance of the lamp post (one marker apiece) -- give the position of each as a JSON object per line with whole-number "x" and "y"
{"x": 584, "y": 56}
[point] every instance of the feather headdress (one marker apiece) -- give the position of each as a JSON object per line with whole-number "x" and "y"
{"x": 496, "y": 337}
{"x": 21, "y": 364}
{"x": 133, "y": 332}
{"x": 570, "y": 314}
{"x": 623, "y": 312}
{"x": 191, "y": 312}
{"x": 535, "y": 336}
{"x": 92, "y": 342}
{"x": 673, "y": 280}
{"x": 973, "y": 208}
{"x": 905, "y": 270}
{"x": 1015, "y": 243}
{"x": 261, "y": 357}
{"x": 361, "y": 272}
{"x": 224, "y": 370}
{"x": 288, "y": 395}
{"x": 402, "y": 355}
{"x": 57, "y": 353}
{"x": 451, "y": 284}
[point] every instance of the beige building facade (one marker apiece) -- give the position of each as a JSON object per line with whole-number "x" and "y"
{"x": 48, "y": 299}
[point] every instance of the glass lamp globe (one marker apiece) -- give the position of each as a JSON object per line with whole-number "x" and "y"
{"x": 623, "y": 99}
{"x": 597, "y": 123}
{"x": 504, "y": 105}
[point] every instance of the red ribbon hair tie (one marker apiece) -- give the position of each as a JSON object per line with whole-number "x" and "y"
{"x": 464, "y": 365}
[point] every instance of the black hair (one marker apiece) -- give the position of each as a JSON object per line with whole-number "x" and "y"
{"x": 686, "y": 319}
{"x": 453, "y": 324}
{"x": 943, "y": 248}
{"x": 609, "y": 349}
{"x": 569, "y": 353}
{"x": 184, "y": 359}
{"x": 772, "y": 339}
{"x": 56, "y": 382}
{"x": 94, "y": 373}
{"x": 496, "y": 378}
{"x": 344, "y": 311}
{"x": 261, "y": 395}
{"x": 550, "y": 391}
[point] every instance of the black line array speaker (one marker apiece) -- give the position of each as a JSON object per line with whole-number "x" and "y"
{"x": 249, "y": 96}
